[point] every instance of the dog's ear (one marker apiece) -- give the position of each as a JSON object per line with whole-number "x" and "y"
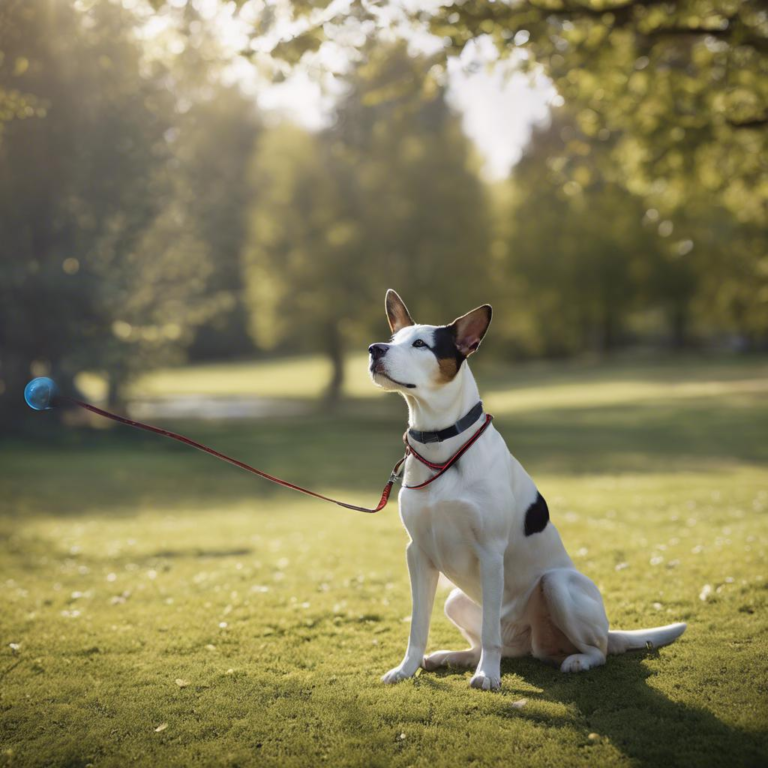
{"x": 397, "y": 313}
{"x": 469, "y": 329}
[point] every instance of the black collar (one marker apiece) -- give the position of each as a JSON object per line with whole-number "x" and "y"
{"x": 465, "y": 422}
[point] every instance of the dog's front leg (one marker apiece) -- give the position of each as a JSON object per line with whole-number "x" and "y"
{"x": 423, "y": 585}
{"x": 488, "y": 673}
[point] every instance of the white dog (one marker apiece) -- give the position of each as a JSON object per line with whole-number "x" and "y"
{"x": 483, "y": 524}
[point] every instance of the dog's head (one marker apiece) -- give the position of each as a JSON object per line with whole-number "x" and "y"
{"x": 422, "y": 358}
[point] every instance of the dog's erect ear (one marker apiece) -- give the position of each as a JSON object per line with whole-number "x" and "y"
{"x": 397, "y": 313}
{"x": 469, "y": 329}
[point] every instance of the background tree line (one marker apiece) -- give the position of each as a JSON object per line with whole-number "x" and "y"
{"x": 148, "y": 214}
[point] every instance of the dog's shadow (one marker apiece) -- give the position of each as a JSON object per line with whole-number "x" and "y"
{"x": 619, "y": 703}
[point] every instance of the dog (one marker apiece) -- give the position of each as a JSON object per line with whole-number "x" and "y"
{"x": 483, "y": 523}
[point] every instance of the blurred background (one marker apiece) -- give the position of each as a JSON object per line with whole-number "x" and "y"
{"x": 201, "y": 181}
{"x": 202, "y": 204}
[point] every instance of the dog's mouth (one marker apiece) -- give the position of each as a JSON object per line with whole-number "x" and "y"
{"x": 377, "y": 369}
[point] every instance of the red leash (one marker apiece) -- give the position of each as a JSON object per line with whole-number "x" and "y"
{"x": 393, "y": 477}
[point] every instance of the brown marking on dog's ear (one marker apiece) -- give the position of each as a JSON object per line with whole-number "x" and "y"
{"x": 470, "y": 329}
{"x": 397, "y": 313}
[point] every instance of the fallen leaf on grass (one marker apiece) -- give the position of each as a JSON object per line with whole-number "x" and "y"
{"x": 182, "y": 683}
{"x": 161, "y": 727}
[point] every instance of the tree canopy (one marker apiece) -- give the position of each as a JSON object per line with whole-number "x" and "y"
{"x": 386, "y": 196}
{"x": 106, "y": 253}
{"x": 679, "y": 86}
{"x": 150, "y": 213}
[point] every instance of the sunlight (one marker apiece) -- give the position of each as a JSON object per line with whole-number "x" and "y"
{"x": 499, "y": 104}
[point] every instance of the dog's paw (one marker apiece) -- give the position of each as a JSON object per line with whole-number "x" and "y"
{"x": 397, "y": 674}
{"x": 579, "y": 662}
{"x": 485, "y": 682}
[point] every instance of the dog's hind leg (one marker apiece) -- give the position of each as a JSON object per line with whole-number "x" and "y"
{"x": 468, "y": 618}
{"x": 574, "y": 613}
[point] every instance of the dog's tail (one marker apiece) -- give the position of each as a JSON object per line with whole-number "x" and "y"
{"x": 637, "y": 639}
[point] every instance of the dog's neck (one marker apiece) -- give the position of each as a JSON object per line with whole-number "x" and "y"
{"x": 445, "y": 406}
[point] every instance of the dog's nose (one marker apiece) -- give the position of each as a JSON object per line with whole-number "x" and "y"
{"x": 378, "y": 350}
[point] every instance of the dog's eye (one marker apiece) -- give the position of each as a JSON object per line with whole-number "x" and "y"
{"x": 419, "y": 343}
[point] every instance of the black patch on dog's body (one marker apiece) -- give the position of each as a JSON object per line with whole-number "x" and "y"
{"x": 536, "y": 516}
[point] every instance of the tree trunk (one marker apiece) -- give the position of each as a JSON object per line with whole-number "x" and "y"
{"x": 335, "y": 350}
{"x": 13, "y": 378}
{"x": 679, "y": 326}
{"x": 607, "y": 331}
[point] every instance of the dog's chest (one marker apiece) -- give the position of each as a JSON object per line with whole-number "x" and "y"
{"x": 443, "y": 529}
{"x": 462, "y": 501}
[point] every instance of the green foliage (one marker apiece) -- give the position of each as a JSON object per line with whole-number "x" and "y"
{"x": 147, "y": 218}
{"x": 665, "y": 165}
{"x": 300, "y": 237}
{"x": 294, "y": 49}
{"x": 681, "y": 86}
{"x": 576, "y": 250}
{"x": 15, "y": 103}
{"x": 387, "y": 196}
{"x": 133, "y": 563}
{"x": 116, "y": 202}
{"x": 96, "y": 150}
{"x": 671, "y": 99}
{"x": 592, "y": 266}
{"x": 216, "y": 140}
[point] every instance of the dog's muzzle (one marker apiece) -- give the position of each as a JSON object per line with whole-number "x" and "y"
{"x": 377, "y": 351}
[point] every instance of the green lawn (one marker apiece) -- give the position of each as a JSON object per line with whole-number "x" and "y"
{"x": 160, "y": 608}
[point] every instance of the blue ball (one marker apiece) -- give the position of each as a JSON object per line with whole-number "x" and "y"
{"x": 40, "y": 393}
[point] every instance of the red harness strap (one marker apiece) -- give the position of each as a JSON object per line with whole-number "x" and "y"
{"x": 443, "y": 468}
{"x": 393, "y": 477}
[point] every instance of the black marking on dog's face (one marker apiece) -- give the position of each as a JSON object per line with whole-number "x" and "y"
{"x": 536, "y": 516}
{"x": 449, "y": 357}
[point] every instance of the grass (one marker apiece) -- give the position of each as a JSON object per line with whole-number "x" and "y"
{"x": 165, "y": 609}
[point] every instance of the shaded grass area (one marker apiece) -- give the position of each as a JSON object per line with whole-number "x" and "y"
{"x": 146, "y": 586}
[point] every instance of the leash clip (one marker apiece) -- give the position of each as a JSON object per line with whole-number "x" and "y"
{"x": 396, "y": 475}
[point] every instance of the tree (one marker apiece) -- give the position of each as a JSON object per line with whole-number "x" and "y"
{"x": 387, "y": 196}
{"x": 576, "y": 247}
{"x": 303, "y": 259}
{"x": 216, "y": 141}
{"x": 680, "y": 85}
{"x": 677, "y": 90}
{"x": 99, "y": 264}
